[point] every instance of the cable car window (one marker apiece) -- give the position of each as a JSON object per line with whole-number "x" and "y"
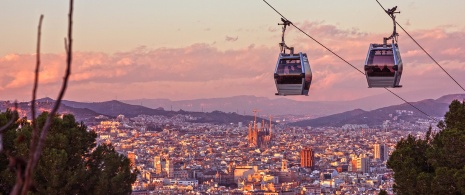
{"x": 289, "y": 79}
{"x": 381, "y": 57}
{"x": 381, "y": 63}
{"x": 287, "y": 66}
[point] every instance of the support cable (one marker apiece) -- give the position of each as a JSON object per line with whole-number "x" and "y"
{"x": 431, "y": 57}
{"x": 432, "y": 118}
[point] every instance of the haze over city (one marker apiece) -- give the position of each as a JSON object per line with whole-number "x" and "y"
{"x": 183, "y": 50}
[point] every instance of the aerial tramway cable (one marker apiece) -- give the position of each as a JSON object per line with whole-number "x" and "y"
{"x": 347, "y": 61}
{"x": 431, "y": 57}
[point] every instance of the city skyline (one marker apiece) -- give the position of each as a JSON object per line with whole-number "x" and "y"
{"x": 176, "y": 50}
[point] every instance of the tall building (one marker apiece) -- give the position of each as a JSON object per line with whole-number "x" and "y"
{"x": 156, "y": 161}
{"x": 284, "y": 166}
{"x": 306, "y": 158}
{"x": 259, "y": 134}
{"x": 353, "y": 165}
{"x": 159, "y": 164}
{"x": 169, "y": 168}
{"x": 363, "y": 164}
{"x": 132, "y": 159}
{"x": 381, "y": 152}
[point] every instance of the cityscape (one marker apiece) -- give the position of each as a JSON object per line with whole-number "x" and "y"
{"x": 232, "y": 97}
{"x": 263, "y": 154}
{"x": 253, "y": 158}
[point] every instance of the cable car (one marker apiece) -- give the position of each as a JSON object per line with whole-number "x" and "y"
{"x": 292, "y": 74}
{"x": 383, "y": 64}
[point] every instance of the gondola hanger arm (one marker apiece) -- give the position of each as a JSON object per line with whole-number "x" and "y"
{"x": 394, "y": 34}
{"x": 283, "y": 45}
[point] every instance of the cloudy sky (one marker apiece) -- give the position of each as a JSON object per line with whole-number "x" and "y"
{"x": 184, "y": 49}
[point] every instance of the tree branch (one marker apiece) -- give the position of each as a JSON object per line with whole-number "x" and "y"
{"x": 36, "y": 148}
{"x": 35, "y": 128}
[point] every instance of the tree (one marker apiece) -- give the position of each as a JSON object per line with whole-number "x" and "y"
{"x": 114, "y": 171}
{"x": 435, "y": 164}
{"x": 382, "y": 192}
{"x": 8, "y": 139}
{"x": 70, "y": 162}
{"x": 408, "y": 162}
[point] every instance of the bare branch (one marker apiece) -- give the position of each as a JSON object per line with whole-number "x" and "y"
{"x": 35, "y": 154}
{"x": 36, "y": 79}
{"x": 35, "y": 131}
{"x": 66, "y": 45}
{"x": 21, "y": 176}
{"x": 52, "y": 113}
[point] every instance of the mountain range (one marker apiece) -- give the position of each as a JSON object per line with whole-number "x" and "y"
{"x": 278, "y": 106}
{"x": 85, "y": 111}
{"x": 228, "y": 110}
{"x": 429, "y": 108}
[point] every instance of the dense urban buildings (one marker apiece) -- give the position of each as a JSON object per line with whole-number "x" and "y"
{"x": 175, "y": 155}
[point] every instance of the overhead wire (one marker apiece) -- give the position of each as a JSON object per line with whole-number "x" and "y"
{"x": 431, "y": 57}
{"x": 313, "y": 38}
{"x": 347, "y": 61}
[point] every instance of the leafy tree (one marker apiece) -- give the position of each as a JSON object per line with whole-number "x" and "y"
{"x": 435, "y": 164}
{"x": 70, "y": 162}
{"x": 408, "y": 161}
{"x": 114, "y": 168}
{"x": 382, "y": 192}
{"x": 7, "y": 178}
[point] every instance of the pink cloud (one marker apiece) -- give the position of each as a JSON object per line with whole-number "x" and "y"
{"x": 203, "y": 70}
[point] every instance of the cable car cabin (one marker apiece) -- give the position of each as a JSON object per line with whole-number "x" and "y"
{"x": 383, "y": 66}
{"x": 293, "y": 75}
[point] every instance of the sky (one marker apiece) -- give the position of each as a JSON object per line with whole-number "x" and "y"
{"x": 184, "y": 49}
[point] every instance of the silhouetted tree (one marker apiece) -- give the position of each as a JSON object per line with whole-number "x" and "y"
{"x": 70, "y": 162}
{"x": 382, "y": 192}
{"x": 435, "y": 164}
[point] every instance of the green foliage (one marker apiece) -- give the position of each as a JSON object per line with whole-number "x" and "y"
{"x": 7, "y": 178}
{"x": 382, "y": 192}
{"x": 435, "y": 164}
{"x": 113, "y": 166}
{"x": 70, "y": 162}
{"x": 455, "y": 117}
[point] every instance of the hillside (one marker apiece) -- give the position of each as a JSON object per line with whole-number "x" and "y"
{"x": 280, "y": 105}
{"x": 434, "y": 108}
{"x": 115, "y": 108}
{"x": 85, "y": 110}
{"x": 24, "y": 109}
{"x": 245, "y": 105}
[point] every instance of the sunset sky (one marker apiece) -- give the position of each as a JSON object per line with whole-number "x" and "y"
{"x": 184, "y": 49}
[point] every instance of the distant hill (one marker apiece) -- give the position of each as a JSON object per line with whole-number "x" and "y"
{"x": 46, "y": 104}
{"x": 449, "y": 98}
{"x": 85, "y": 110}
{"x": 115, "y": 108}
{"x": 279, "y": 106}
{"x": 245, "y": 104}
{"x": 434, "y": 108}
{"x": 332, "y": 120}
